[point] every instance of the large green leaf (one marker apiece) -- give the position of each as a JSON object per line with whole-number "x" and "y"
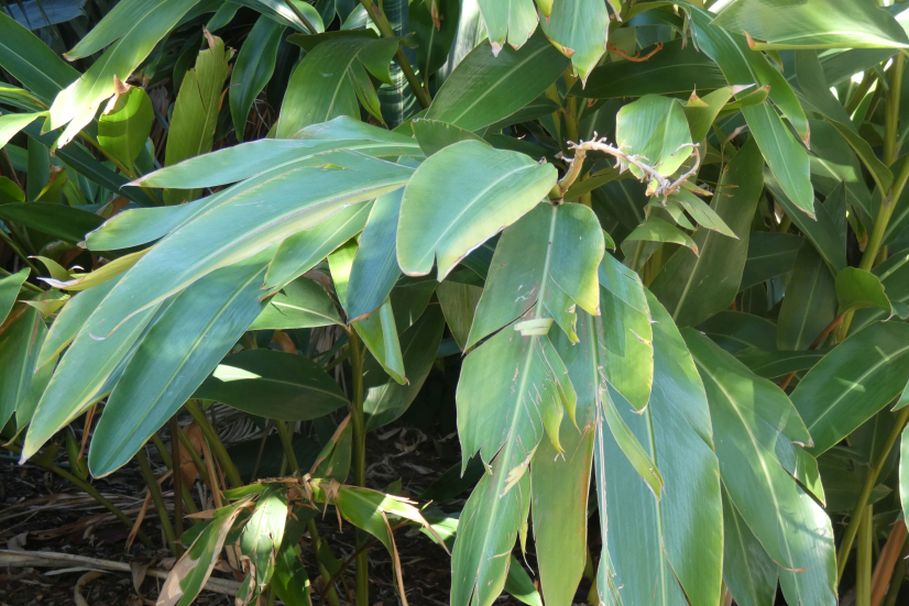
{"x": 253, "y": 69}
{"x": 655, "y": 129}
{"x": 513, "y": 21}
{"x": 195, "y": 115}
{"x": 301, "y": 304}
{"x": 859, "y": 377}
{"x": 221, "y": 235}
{"x": 20, "y": 343}
{"x": 484, "y": 190}
{"x": 131, "y": 32}
{"x": 652, "y": 538}
{"x": 262, "y": 536}
{"x": 333, "y": 80}
{"x": 560, "y": 486}
{"x": 549, "y": 258}
{"x": 750, "y": 574}
{"x": 31, "y": 62}
{"x": 484, "y": 89}
{"x": 809, "y": 304}
{"x": 694, "y": 287}
{"x": 374, "y": 270}
{"x": 182, "y": 347}
{"x": 273, "y": 384}
{"x": 255, "y": 158}
{"x": 124, "y": 126}
{"x": 11, "y": 124}
{"x": 759, "y": 428}
{"x": 780, "y": 24}
{"x": 579, "y": 29}
{"x": 786, "y": 157}
{"x": 9, "y": 290}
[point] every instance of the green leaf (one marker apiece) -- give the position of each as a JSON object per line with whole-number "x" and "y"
{"x": 486, "y": 190}
{"x": 654, "y": 229}
{"x": 511, "y": 415}
{"x": 459, "y": 303}
{"x": 331, "y": 80}
{"x": 85, "y": 374}
{"x": 387, "y": 400}
{"x": 137, "y": 226}
{"x": 435, "y": 25}
{"x": 694, "y": 287}
{"x": 484, "y": 89}
{"x": 262, "y": 536}
{"x": 857, "y": 288}
{"x": 547, "y": 260}
{"x": 251, "y": 159}
{"x": 703, "y": 111}
{"x": 651, "y": 558}
{"x": 301, "y": 304}
{"x": 750, "y": 574}
{"x": 195, "y": 116}
{"x": 770, "y": 254}
{"x": 560, "y": 486}
{"x": 180, "y": 350}
{"x": 9, "y": 291}
{"x": 290, "y": 581}
{"x": 31, "y": 61}
{"x": 253, "y": 69}
{"x": 759, "y": 428}
{"x": 655, "y": 129}
{"x": 627, "y": 336}
{"x": 859, "y": 377}
{"x": 303, "y": 251}
{"x": 125, "y": 124}
{"x": 676, "y": 69}
{"x": 67, "y": 223}
{"x": 488, "y": 527}
{"x": 826, "y": 231}
{"x": 579, "y": 29}
{"x": 809, "y": 304}
{"x": 513, "y": 21}
{"x": 280, "y": 12}
{"x": 434, "y": 135}
{"x": 374, "y": 270}
{"x": 11, "y": 124}
{"x": 189, "y": 575}
{"x": 20, "y": 343}
{"x": 778, "y": 24}
{"x": 221, "y": 235}
{"x": 273, "y": 384}
{"x": 131, "y": 32}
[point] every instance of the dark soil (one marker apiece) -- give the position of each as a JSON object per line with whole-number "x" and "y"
{"x": 41, "y": 512}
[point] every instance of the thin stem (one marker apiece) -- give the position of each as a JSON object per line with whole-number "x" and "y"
{"x": 158, "y": 499}
{"x": 287, "y": 444}
{"x": 378, "y": 17}
{"x": 177, "y": 478}
{"x": 92, "y": 492}
{"x": 842, "y": 555}
{"x": 359, "y": 448}
{"x": 887, "y": 562}
{"x": 863, "y": 559}
{"x": 215, "y": 443}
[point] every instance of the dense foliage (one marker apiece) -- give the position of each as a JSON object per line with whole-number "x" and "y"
{"x": 659, "y": 250}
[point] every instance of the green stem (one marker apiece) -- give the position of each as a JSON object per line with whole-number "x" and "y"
{"x": 358, "y": 423}
{"x": 215, "y": 443}
{"x": 378, "y": 17}
{"x": 858, "y": 512}
{"x": 92, "y": 492}
{"x": 863, "y": 559}
{"x": 176, "y": 475}
{"x": 186, "y": 498}
{"x": 287, "y": 443}
{"x": 197, "y": 460}
{"x": 158, "y": 499}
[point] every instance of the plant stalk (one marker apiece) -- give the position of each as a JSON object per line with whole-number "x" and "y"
{"x": 378, "y": 17}
{"x": 358, "y": 422}
{"x": 842, "y": 555}
{"x": 151, "y": 482}
{"x": 863, "y": 559}
{"x": 215, "y": 443}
